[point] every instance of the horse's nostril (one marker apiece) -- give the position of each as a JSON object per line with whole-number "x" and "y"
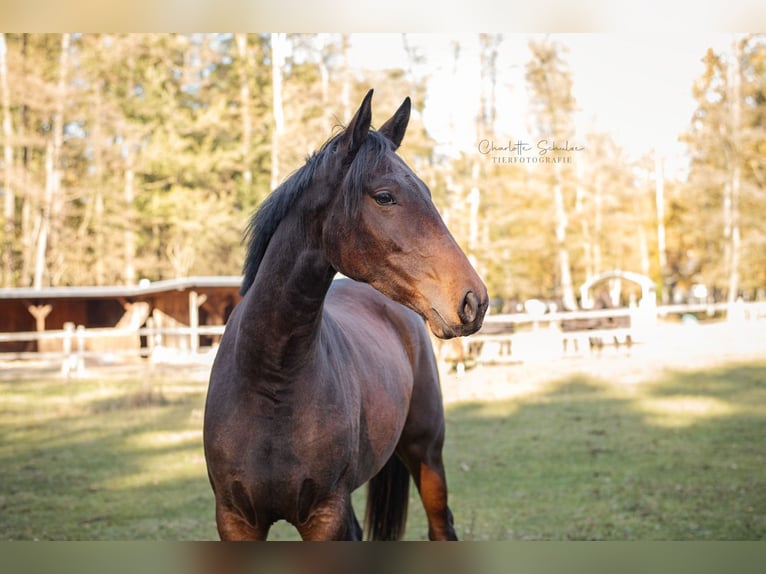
{"x": 469, "y": 309}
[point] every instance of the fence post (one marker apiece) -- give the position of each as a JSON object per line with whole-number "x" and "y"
{"x": 150, "y": 335}
{"x": 195, "y": 302}
{"x": 66, "y": 348}
{"x": 40, "y": 312}
{"x": 80, "y": 365}
{"x": 193, "y": 322}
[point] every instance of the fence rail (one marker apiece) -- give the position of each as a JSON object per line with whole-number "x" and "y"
{"x": 757, "y": 309}
{"x": 73, "y": 349}
{"x": 519, "y": 336}
{"x": 497, "y": 329}
{"x": 63, "y": 334}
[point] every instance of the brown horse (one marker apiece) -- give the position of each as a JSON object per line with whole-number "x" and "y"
{"x": 321, "y": 385}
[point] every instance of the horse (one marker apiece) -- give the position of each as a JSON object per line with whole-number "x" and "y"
{"x": 321, "y": 384}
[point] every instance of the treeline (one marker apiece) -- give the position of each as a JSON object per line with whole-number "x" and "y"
{"x": 143, "y": 155}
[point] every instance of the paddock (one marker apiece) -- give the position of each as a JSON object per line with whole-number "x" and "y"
{"x": 180, "y": 321}
{"x": 664, "y": 443}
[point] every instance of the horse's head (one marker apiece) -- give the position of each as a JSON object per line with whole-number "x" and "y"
{"x": 384, "y": 229}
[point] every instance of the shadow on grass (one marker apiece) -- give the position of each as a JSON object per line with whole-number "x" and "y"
{"x": 677, "y": 458}
{"x": 586, "y": 459}
{"x": 125, "y": 466}
{"x": 142, "y": 398}
{"x": 738, "y": 385}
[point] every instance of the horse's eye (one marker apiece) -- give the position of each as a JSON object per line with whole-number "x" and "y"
{"x": 384, "y": 198}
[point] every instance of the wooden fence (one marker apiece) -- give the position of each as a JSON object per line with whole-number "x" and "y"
{"x": 503, "y": 338}
{"x": 76, "y": 345}
{"x": 521, "y": 337}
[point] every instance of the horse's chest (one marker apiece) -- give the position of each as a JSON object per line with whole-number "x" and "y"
{"x": 291, "y": 461}
{"x": 288, "y": 436}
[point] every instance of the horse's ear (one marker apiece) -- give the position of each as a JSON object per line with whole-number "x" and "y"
{"x": 357, "y": 130}
{"x": 395, "y": 127}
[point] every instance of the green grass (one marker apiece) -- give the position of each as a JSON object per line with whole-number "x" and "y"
{"x": 114, "y": 459}
{"x": 676, "y": 457}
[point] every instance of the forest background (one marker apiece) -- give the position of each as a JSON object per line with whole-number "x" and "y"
{"x": 131, "y": 156}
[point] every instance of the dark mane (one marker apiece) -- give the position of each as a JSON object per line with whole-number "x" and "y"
{"x": 264, "y": 222}
{"x": 273, "y": 210}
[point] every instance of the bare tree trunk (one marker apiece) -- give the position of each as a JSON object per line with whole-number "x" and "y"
{"x": 552, "y": 86}
{"x": 581, "y": 200}
{"x": 129, "y": 235}
{"x": 473, "y": 200}
{"x": 128, "y": 188}
{"x": 51, "y": 212}
{"x": 562, "y": 222}
{"x": 488, "y": 53}
{"x": 90, "y": 231}
{"x": 99, "y": 238}
{"x": 345, "y": 91}
{"x": 277, "y": 62}
{"x": 44, "y": 219}
{"x": 324, "y": 74}
{"x": 598, "y": 226}
{"x": 244, "y": 99}
{"x": 643, "y": 245}
{"x": 30, "y": 193}
{"x": 732, "y": 188}
{"x": 57, "y": 201}
{"x": 643, "y": 240}
{"x": 659, "y": 198}
{"x": 9, "y": 208}
{"x": 485, "y": 121}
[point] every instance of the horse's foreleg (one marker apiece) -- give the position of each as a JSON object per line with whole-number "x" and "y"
{"x": 232, "y": 526}
{"x": 333, "y": 519}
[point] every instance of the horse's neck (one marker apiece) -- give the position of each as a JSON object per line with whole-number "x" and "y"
{"x": 282, "y": 310}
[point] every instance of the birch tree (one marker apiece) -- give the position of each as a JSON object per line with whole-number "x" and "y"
{"x": 50, "y": 213}
{"x": 553, "y": 105}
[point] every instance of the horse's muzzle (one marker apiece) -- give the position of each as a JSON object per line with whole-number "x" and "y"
{"x": 471, "y": 312}
{"x": 470, "y": 308}
{"x": 470, "y": 315}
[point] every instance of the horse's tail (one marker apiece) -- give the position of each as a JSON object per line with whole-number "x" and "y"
{"x": 387, "y": 498}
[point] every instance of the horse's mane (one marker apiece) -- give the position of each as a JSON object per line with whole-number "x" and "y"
{"x": 264, "y": 222}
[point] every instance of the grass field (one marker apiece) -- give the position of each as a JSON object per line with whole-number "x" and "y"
{"x": 603, "y": 449}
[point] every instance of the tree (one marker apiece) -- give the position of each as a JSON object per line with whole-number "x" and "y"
{"x": 552, "y": 103}
{"x": 128, "y": 154}
{"x": 9, "y": 203}
{"x": 37, "y": 66}
{"x": 613, "y": 206}
{"x": 726, "y": 192}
